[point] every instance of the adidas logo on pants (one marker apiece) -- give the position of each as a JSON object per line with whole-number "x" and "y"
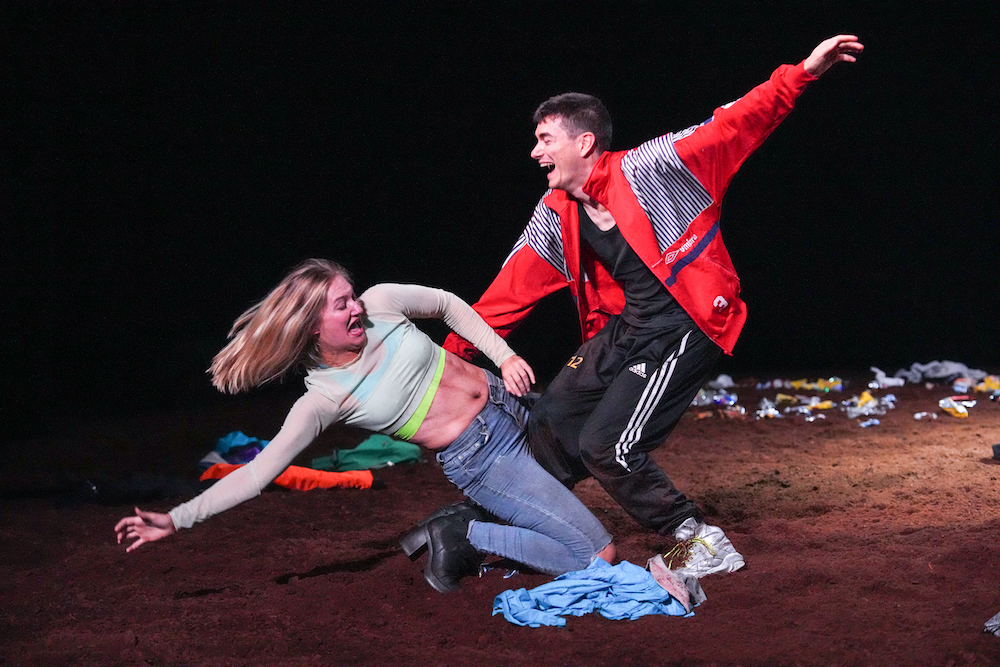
{"x": 639, "y": 369}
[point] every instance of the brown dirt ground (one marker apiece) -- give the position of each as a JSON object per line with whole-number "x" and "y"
{"x": 875, "y": 546}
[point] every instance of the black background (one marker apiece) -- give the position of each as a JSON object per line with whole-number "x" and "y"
{"x": 165, "y": 164}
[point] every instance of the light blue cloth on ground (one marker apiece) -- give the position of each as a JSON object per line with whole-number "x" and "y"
{"x": 617, "y": 592}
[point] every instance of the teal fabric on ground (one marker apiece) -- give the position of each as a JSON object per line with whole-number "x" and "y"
{"x": 378, "y": 451}
{"x": 236, "y": 439}
{"x": 235, "y": 447}
{"x": 616, "y": 592}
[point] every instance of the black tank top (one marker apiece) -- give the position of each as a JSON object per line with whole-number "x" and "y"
{"x": 647, "y": 301}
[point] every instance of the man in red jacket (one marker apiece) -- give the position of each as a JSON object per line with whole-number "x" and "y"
{"x": 635, "y": 236}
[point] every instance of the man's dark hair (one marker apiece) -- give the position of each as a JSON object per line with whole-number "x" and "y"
{"x": 580, "y": 113}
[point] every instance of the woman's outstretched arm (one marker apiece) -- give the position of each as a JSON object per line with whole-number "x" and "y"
{"x": 310, "y": 415}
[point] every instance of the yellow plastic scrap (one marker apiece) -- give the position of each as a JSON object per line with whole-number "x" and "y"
{"x": 989, "y": 383}
{"x": 832, "y": 384}
{"x": 784, "y": 398}
{"x": 822, "y": 405}
{"x": 865, "y": 399}
{"x": 956, "y": 408}
{"x": 824, "y": 385}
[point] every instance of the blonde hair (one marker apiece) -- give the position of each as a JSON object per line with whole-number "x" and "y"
{"x": 277, "y": 333}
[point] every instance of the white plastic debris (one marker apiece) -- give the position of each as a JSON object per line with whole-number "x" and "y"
{"x": 685, "y": 589}
{"x": 766, "y": 410}
{"x": 882, "y": 381}
{"x": 993, "y": 626}
{"x": 722, "y": 382}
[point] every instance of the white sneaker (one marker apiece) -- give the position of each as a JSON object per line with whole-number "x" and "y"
{"x": 702, "y": 549}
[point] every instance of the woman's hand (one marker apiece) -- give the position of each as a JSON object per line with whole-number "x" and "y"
{"x": 144, "y": 527}
{"x": 517, "y": 375}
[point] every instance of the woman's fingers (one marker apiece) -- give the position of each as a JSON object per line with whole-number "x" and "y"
{"x": 141, "y": 528}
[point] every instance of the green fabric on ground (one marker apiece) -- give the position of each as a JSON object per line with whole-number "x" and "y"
{"x": 377, "y": 451}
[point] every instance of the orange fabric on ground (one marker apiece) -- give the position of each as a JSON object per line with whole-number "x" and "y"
{"x": 304, "y": 479}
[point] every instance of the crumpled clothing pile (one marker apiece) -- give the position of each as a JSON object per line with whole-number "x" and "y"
{"x": 940, "y": 371}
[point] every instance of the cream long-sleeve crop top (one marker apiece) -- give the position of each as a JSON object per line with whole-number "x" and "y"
{"x": 378, "y": 391}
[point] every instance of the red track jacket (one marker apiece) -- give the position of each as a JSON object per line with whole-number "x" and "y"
{"x": 665, "y": 196}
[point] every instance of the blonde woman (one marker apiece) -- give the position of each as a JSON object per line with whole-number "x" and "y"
{"x": 369, "y": 366}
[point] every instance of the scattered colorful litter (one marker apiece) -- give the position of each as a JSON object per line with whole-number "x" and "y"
{"x": 864, "y": 405}
{"x": 767, "y": 410}
{"x": 791, "y": 398}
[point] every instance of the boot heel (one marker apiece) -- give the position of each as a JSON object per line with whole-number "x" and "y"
{"x": 414, "y": 542}
{"x": 450, "y": 554}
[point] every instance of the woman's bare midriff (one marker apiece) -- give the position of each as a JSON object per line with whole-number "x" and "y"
{"x": 460, "y": 396}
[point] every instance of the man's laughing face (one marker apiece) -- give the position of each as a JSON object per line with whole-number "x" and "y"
{"x": 560, "y": 154}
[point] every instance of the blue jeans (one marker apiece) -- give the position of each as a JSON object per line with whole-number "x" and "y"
{"x": 549, "y": 529}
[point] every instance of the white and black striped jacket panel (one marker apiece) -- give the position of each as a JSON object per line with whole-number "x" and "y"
{"x": 544, "y": 236}
{"x": 668, "y": 192}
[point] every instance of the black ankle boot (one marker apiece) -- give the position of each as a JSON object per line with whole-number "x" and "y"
{"x": 415, "y": 541}
{"x": 452, "y": 556}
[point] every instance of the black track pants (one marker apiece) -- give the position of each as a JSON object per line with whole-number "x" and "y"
{"x": 617, "y": 399}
